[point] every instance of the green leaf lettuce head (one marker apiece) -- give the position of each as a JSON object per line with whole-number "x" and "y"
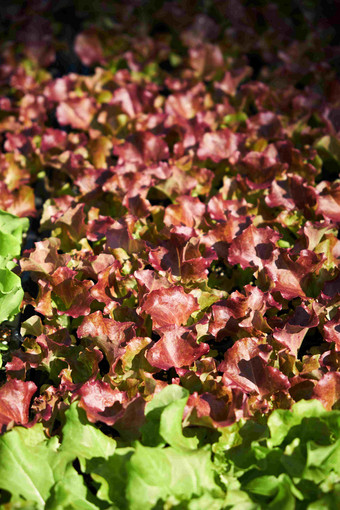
{"x": 289, "y": 461}
{"x": 294, "y": 460}
{"x": 40, "y": 470}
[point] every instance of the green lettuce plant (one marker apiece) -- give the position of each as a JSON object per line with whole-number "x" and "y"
{"x": 290, "y": 460}
{"x": 11, "y": 292}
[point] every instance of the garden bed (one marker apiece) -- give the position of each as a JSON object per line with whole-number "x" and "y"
{"x": 170, "y": 328}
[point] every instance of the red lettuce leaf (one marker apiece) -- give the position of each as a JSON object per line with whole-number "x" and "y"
{"x": 77, "y": 112}
{"x": 218, "y": 146}
{"x": 329, "y": 201}
{"x": 101, "y": 402}
{"x": 209, "y": 410}
{"x": 74, "y": 297}
{"x": 177, "y": 347}
{"x": 111, "y": 336}
{"x": 88, "y": 48}
{"x": 331, "y": 330}
{"x": 296, "y": 327}
{"x": 44, "y": 258}
{"x": 15, "y": 399}
{"x": 170, "y": 306}
{"x": 245, "y": 366}
{"x": 187, "y": 211}
{"x": 327, "y": 390}
{"x": 287, "y": 275}
{"x": 253, "y": 247}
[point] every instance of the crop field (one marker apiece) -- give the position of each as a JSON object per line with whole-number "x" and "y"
{"x": 169, "y": 255}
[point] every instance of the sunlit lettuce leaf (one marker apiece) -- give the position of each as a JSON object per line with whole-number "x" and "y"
{"x": 168, "y": 474}
{"x": 40, "y": 469}
{"x": 11, "y": 294}
{"x": 83, "y": 440}
{"x": 71, "y": 492}
{"x": 13, "y": 225}
{"x": 30, "y": 464}
{"x": 164, "y": 419}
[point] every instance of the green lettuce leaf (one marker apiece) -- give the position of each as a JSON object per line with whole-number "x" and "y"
{"x": 40, "y": 470}
{"x": 164, "y": 419}
{"x": 11, "y": 294}
{"x": 83, "y": 440}
{"x": 169, "y": 475}
{"x": 30, "y": 464}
